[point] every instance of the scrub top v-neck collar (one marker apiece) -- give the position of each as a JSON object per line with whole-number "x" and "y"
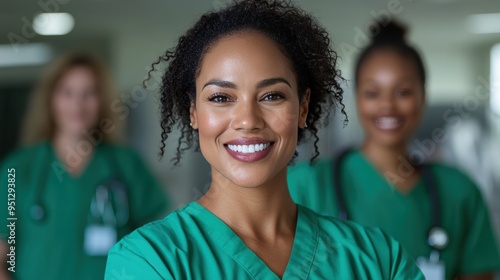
{"x": 301, "y": 258}
{"x": 382, "y": 181}
{"x": 83, "y": 173}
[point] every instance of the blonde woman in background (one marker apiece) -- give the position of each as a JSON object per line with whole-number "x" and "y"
{"x": 76, "y": 191}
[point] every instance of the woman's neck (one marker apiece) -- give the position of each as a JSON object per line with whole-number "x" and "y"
{"x": 261, "y": 212}
{"x": 74, "y": 151}
{"x": 393, "y": 163}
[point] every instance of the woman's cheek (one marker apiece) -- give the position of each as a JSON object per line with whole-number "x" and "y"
{"x": 211, "y": 122}
{"x": 364, "y": 111}
{"x": 412, "y": 108}
{"x": 60, "y": 105}
{"x": 94, "y": 112}
{"x": 95, "y": 103}
{"x": 284, "y": 121}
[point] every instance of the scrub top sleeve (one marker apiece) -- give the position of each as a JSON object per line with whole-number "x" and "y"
{"x": 403, "y": 265}
{"x": 400, "y": 264}
{"x": 147, "y": 197}
{"x": 480, "y": 250}
{"x": 123, "y": 264}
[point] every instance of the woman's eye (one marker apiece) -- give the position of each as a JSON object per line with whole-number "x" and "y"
{"x": 90, "y": 93}
{"x": 403, "y": 93}
{"x": 273, "y": 96}
{"x": 371, "y": 94}
{"x": 219, "y": 98}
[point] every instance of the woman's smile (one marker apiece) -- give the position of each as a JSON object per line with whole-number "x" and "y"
{"x": 249, "y": 149}
{"x": 388, "y": 123}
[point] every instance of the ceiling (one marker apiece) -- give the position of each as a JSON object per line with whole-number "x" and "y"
{"x": 435, "y": 24}
{"x": 436, "y": 21}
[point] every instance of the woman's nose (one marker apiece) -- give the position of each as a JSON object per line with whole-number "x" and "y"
{"x": 387, "y": 103}
{"x": 247, "y": 116}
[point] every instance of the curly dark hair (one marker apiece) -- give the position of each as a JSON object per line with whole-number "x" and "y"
{"x": 301, "y": 38}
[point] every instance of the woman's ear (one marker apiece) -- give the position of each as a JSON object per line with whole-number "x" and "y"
{"x": 193, "y": 116}
{"x": 304, "y": 109}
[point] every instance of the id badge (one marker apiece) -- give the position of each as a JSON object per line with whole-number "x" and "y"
{"x": 99, "y": 239}
{"x": 431, "y": 270}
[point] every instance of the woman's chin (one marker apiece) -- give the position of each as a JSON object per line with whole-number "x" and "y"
{"x": 249, "y": 183}
{"x": 392, "y": 142}
{"x": 249, "y": 180}
{"x": 75, "y": 129}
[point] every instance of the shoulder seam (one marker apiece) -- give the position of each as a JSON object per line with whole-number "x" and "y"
{"x": 141, "y": 257}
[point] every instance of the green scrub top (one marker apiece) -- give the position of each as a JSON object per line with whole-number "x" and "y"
{"x": 372, "y": 201}
{"x": 193, "y": 243}
{"x": 53, "y": 248}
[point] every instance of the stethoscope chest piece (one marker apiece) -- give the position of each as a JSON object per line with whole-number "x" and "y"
{"x": 38, "y": 212}
{"x": 438, "y": 238}
{"x": 110, "y": 203}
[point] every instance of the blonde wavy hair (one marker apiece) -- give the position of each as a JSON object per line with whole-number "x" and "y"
{"x": 39, "y": 124}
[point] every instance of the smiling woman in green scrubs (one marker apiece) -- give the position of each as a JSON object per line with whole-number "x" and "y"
{"x": 379, "y": 186}
{"x": 248, "y": 81}
{"x": 75, "y": 193}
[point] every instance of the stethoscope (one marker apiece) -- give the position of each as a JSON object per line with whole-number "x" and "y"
{"x": 437, "y": 237}
{"x": 109, "y": 205}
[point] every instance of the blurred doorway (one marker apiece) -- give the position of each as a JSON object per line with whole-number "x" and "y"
{"x": 13, "y": 101}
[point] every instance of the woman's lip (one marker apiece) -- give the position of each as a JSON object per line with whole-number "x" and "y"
{"x": 249, "y": 157}
{"x": 388, "y": 123}
{"x": 248, "y": 141}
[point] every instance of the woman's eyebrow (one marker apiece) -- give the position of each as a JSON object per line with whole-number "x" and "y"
{"x": 272, "y": 81}
{"x": 220, "y": 83}
{"x": 261, "y": 84}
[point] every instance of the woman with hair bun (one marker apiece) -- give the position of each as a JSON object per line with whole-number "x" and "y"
{"x": 245, "y": 83}
{"x": 435, "y": 211}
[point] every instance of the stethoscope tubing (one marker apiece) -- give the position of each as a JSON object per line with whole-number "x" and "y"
{"x": 38, "y": 210}
{"x": 431, "y": 188}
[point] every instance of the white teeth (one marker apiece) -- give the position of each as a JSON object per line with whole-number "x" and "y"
{"x": 247, "y": 149}
{"x": 388, "y": 123}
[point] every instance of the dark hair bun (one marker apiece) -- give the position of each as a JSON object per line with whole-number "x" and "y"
{"x": 393, "y": 32}
{"x": 391, "y": 35}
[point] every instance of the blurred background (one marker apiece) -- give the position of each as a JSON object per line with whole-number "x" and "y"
{"x": 459, "y": 41}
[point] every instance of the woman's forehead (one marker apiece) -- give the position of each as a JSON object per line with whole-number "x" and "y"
{"x": 248, "y": 54}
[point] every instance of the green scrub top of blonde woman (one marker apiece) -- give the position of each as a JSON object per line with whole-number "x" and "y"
{"x": 77, "y": 191}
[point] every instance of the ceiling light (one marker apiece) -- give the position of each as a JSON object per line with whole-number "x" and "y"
{"x": 25, "y": 55}
{"x": 53, "y": 23}
{"x": 484, "y": 23}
